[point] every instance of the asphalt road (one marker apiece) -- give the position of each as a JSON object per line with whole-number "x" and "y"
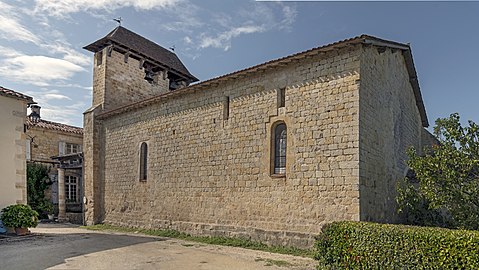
{"x": 58, "y": 246}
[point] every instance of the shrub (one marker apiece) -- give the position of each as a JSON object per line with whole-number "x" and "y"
{"x": 362, "y": 245}
{"x": 19, "y": 216}
{"x": 447, "y": 189}
{"x": 37, "y": 182}
{"x": 46, "y": 207}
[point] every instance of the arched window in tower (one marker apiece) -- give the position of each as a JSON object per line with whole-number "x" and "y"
{"x": 143, "y": 161}
{"x": 280, "y": 136}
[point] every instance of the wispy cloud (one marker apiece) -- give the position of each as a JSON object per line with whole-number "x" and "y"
{"x": 54, "y": 60}
{"x": 11, "y": 28}
{"x": 69, "y": 54}
{"x": 184, "y": 17}
{"x": 63, "y": 8}
{"x": 53, "y": 96}
{"x": 35, "y": 69}
{"x": 224, "y": 28}
{"x": 66, "y": 114}
{"x": 56, "y": 106}
{"x": 289, "y": 17}
{"x": 223, "y": 40}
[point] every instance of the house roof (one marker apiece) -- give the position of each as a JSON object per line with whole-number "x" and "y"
{"x": 13, "y": 94}
{"x": 54, "y": 126}
{"x": 141, "y": 46}
{"x": 363, "y": 39}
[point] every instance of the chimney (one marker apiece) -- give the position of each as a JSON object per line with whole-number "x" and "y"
{"x": 35, "y": 114}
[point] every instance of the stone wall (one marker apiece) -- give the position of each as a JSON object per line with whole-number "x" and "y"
{"x": 13, "y": 185}
{"x": 211, "y": 175}
{"x": 125, "y": 82}
{"x": 45, "y": 142}
{"x": 389, "y": 123}
{"x": 92, "y": 166}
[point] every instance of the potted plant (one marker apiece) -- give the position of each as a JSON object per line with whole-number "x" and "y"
{"x": 47, "y": 208}
{"x": 21, "y": 217}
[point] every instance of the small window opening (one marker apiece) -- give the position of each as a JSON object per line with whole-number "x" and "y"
{"x": 281, "y": 97}
{"x": 143, "y": 161}
{"x": 226, "y": 108}
{"x": 280, "y": 138}
{"x": 99, "y": 58}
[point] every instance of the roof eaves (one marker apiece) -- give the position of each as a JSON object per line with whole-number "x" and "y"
{"x": 14, "y": 94}
{"x": 55, "y": 126}
{"x": 413, "y": 80}
{"x": 415, "y": 85}
{"x": 145, "y": 56}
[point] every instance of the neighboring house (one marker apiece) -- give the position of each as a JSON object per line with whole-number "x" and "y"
{"x": 13, "y": 111}
{"x": 58, "y": 146}
{"x": 272, "y": 152}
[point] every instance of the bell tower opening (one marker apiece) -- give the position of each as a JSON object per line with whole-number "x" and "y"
{"x": 129, "y": 68}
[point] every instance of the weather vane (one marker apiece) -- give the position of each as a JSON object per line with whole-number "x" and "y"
{"x": 118, "y": 20}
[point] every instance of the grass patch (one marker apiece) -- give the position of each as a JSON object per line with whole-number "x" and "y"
{"x": 279, "y": 263}
{"x": 271, "y": 262}
{"x": 214, "y": 240}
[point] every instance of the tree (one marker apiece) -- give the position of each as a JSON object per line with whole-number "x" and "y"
{"x": 447, "y": 175}
{"x": 37, "y": 182}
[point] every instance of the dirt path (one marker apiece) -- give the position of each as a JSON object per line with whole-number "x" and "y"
{"x": 54, "y": 246}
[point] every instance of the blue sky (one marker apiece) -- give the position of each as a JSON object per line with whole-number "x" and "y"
{"x": 41, "y": 42}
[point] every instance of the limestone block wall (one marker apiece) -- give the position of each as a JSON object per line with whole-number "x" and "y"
{"x": 99, "y": 70}
{"x": 211, "y": 175}
{"x": 45, "y": 142}
{"x": 389, "y": 123}
{"x": 92, "y": 167}
{"x": 117, "y": 82}
{"x": 12, "y": 158}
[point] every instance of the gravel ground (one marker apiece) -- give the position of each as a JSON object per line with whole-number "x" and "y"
{"x": 63, "y": 246}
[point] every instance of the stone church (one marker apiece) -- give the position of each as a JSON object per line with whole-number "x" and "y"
{"x": 271, "y": 152}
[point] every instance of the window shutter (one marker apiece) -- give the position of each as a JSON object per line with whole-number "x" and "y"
{"x": 28, "y": 150}
{"x": 61, "y": 148}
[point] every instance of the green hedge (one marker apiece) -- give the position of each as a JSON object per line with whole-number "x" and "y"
{"x": 363, "y": 245}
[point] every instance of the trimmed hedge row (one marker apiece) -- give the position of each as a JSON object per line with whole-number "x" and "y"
{"x": 363, "y": 245}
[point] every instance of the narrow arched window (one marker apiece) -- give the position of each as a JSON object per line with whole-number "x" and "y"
{"x": 280, "y": 136}
{"x": 143, "y": 161}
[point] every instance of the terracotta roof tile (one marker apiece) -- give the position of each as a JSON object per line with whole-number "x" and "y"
{"x": 14, "y": 94}
{"x": 55, "y": 126}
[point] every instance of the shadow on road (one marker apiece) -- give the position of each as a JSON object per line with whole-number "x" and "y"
{"x": 52, "y": 245}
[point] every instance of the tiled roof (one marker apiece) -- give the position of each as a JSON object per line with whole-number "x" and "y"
{"x": 55, "y": 126}
{"x": 363, "y": 39}
{"x": 141, "y": 45}
{"x": 14, "y": 94}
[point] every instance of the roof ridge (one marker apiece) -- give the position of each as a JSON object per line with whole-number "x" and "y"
{"x": 15, "y": 94}
{"x": 114, "y": 31}
{"x": 53, "y": 122}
